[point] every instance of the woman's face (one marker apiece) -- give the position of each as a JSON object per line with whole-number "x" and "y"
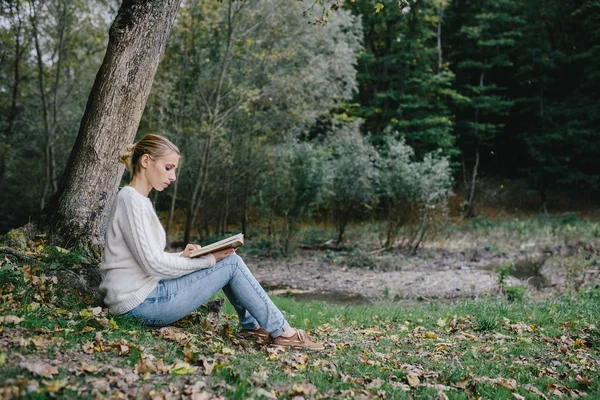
{"x": 161, "y": 172}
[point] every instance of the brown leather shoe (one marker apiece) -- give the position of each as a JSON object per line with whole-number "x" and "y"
{"x": 297, "y": 341}
{"x": 259, "y": 334}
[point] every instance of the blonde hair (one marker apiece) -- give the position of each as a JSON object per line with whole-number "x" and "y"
{"x": 155, "y": 146}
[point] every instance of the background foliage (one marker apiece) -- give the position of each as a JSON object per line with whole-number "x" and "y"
{"x": 383, "y": 112}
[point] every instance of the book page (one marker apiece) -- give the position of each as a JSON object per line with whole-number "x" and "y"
{"x": 232, "y": 241}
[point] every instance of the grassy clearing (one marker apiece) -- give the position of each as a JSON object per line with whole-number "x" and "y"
{"x": 54, "y": 342}
{"x": 480, "y": 232}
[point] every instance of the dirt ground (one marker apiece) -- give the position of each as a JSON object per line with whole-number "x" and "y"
{"x": 431, "y": 274}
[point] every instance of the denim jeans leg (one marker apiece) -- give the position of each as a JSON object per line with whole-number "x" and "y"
{"x": 247, "y": 321}
{"x": 252, "y": 297}
{"x": 173, "y": 299}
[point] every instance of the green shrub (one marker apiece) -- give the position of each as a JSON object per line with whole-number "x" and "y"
{"x": 570, "y": 219}
{"x": 514, "y": 293}
{"x": 358, "y": 259}
{"x": 264, "y": 248}
{"x": 487, "y": 323}
{"x": 480, "y": 222}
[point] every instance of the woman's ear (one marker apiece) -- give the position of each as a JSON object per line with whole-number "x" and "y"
{"x": 144, "y": 160}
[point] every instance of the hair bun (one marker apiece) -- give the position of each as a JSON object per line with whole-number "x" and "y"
{"x": 126, "y": 157}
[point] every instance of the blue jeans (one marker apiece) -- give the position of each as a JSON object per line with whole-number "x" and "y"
{"x": 175, "y": 298}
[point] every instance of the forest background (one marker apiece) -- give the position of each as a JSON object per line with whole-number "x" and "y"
{"x": 402, "y": 113}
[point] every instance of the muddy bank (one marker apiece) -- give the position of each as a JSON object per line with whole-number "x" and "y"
{"x": 426, "y": 276}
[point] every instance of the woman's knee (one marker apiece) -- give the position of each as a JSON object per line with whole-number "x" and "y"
{"x": 236, "y": 259}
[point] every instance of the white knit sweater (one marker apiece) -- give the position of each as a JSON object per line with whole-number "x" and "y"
{"x": 134, "y": 258}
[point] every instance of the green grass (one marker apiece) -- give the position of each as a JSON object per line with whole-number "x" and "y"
{"x": 468, "y": 348}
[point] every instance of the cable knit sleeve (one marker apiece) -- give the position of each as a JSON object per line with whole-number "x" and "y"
{"x": 137, "y": 231}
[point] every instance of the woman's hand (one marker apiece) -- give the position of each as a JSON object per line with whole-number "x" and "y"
{"x": 189, "y": 248}
{"x": 219, "y": 255}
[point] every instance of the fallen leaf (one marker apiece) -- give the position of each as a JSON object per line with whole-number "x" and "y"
{"x": 266, "y": 394}
{"x": 441, "y": 396}
{"x": 521, "y": 327}
{"x": 85, "y": 367}
{"x": 462, "y": 384}
{"x": 39, "y": 341}
{"x": 144, "y": 366}
{"x": 535, "y": 390}
{"x": 183, "y": 369}
{"x": 55, "y": 385}
{"x": 583, "y": 380}
{"x": 413, "y": 380}
{"x": 207, "y": 366}
{"x": 96, "y": 310}
{"x": 88, "y": 347}
{"x": 518, "y": 396}
{"x": 375, "y": 383}
{"x": 173, "y": 333}
{"x": 303, "y": 388}
{"x": 431, "y": 335}
{"x": 10, "y": 319}
{"x": 510, "y": 384}
{"x": 201, "y": 396}
{"x": 38, "y": 368}
{"x": 86, "y": 329}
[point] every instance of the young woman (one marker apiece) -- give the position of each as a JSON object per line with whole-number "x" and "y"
{"x": 142, "y": 280}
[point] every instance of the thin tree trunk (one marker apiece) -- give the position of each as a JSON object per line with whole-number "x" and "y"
{"x": 471, "y": 201}
{"x": 226, "y": 211}
{"x": 48, "y": 153}
{"x": 199, "y": 188}
{"x": 198, "y": 192}
{"x": 54, "y": 129}
{"x": 464, "y": 174}
{"x": 173, "y": 201}
{"x": 12, "y": 115}
{"x": 342, "y": 221}
{"x": 137, "y": 39}
{"x": 439, "y": 35}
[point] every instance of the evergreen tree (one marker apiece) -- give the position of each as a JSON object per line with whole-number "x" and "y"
{"x": 405, "y": 85}
{"x": 484, "y": 45}
{"x": 423, "y": 114}
{"x": 558, "y": 113}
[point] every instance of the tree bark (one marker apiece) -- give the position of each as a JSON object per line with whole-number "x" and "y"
{"x": 172, "y": 206}
{"x": 470, "y": 212}
{"x": 137, "y": 38}
{"x": 471, "y": 203}
{"x": 12, "y": 116}
{"x": 48, "y": 139}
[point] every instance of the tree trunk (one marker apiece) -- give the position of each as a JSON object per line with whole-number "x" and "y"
{"x": 198, "y": 192}
{"x": 470, "y": 212}
{"x": 471, "y": 202}
{"x": 199, "y": 189}
{"x": 439, "y": 35}
{"x": 12, "y": 116}
{"x": 137, "y": 39}
{"x": 48, "y": 151}
{"x": 173, "y": 201}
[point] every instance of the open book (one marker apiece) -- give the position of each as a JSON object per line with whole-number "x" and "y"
{"x": 232, "y": 241}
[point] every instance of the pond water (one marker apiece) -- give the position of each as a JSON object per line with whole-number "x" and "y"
{"x": 528, "y": 270}
{"x": 328, "y": 296}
